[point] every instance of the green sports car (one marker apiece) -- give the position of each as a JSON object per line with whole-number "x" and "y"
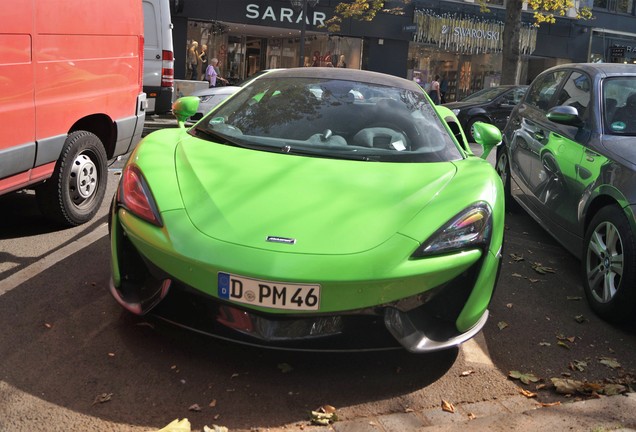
{"x": 315, "y": 209}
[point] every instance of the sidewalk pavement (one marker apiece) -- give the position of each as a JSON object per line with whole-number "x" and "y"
{"x": 609, "y": 413}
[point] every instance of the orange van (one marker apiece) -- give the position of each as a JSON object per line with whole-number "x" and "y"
{"x": 70, "y": 99}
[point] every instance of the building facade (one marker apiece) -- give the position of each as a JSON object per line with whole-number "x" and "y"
{"x": 453, "y": 39}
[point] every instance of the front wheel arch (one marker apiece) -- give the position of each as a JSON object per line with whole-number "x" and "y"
{"x": 608, "y": 265}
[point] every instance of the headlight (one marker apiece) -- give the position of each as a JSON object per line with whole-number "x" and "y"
{"x": 470, "y": 228}
{"x": 134, "y": 195}
{"x": 456, "y": 111}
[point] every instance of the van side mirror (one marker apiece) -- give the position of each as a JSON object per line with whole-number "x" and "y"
{"x": 184, "y": 108}
{"x": 486, "y": 135}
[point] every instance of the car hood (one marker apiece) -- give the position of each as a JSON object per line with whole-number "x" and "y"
{"x": 304, "y": 204}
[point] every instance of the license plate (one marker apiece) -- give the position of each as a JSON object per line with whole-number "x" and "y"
{"x": 275, "y": 295}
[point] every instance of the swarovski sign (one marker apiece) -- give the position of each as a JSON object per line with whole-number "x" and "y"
{"x": 467, "y": 34}
{"x": 283, "y": 14}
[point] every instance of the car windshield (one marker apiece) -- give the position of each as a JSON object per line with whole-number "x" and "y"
{"x": 331, "y": 118}
{"x": 485, "y": 95}
{"x": 619, "y": 105}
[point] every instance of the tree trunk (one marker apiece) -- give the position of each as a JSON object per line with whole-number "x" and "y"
{"x": 511, "y": 55}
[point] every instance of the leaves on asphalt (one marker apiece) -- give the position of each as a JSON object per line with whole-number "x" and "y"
{"x": 448, "y": 407}
{"x": 177, "y": 425}
{"x": 571, "y": 387}
{"x": 525, "y": 378}
{"x": 541, "y": 269}
{"x": 578, "y": 365}
{"x": 502, "y": 325}
{"x": 324, "y": 416}
{"x": 102, "y": 398}
{"x": 527, "y": 393}
{"x": 580, "y": 319}
{"x": 284, "y": 367}
{"x": 194, "y": 407}
{"x": 516, "y": 258}
{"x": 609, "y": 362}
{"x": 467, "y": 373}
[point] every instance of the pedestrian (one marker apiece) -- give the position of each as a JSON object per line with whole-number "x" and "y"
{"x": 434, "y": 92}
{"x": 212, "y": 74}
{"x": 443, "y": 89}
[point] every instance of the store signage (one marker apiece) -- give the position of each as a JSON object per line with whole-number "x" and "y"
{"x": 617, "y": 51}
{"x": 467, "y": 34}
{"x": 283, "y": 14}
{"x": 478, "y": 33}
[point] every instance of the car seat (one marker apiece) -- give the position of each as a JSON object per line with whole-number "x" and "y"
{"x": 627, "y": 114}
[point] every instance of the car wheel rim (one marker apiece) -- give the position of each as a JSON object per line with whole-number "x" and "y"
{"x": 83, "y": 180}
{"x": 604, "y": 262}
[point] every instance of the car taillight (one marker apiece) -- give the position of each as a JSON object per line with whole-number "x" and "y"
{"x": 135, "y": 195}
{"x": 167, "y": 69}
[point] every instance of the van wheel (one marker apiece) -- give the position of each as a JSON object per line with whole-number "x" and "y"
{"x": 609, "y": 265}
{"x": 74, "y": 193}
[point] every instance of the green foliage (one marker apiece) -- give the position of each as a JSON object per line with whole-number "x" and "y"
{"x": 362, "y": 10}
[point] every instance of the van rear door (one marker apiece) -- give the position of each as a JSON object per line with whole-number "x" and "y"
{"x": 158, "y": 56}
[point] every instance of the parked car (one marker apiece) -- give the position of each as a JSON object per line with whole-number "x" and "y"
{"x": 211, "y": 97}
{"x": 293, "y": 221}
{"x": 491, "y": 105}
{"x": 569, "y": 159}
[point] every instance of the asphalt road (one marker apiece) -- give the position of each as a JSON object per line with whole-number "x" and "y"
{"x": 73, "y": 360}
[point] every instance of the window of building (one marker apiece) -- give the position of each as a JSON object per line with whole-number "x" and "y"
{"x": 621, "y": 6}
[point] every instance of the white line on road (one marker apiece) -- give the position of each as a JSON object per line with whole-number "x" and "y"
{"x": 34, "y": 269}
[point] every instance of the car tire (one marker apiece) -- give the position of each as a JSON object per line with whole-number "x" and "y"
{"x": 502, "y": 166}
{"x": 609, "y": 265}
{"x": 77, "y": 187}
{"x": 468, "y": 132}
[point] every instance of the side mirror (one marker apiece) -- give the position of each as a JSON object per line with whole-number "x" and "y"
{"x": 564, "y": 114}
{"x": 486, "y": 135}
{"x": 184, "y": 108}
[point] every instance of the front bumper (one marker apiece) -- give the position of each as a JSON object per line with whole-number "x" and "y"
{"x": 430, "y": 318}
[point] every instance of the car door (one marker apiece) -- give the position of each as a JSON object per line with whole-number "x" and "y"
{"x": 562, "y": 167}
{"x": 530, "y": 133}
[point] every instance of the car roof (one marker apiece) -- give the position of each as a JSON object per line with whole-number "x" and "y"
{"x": 604, "y": 69}
{"x": 343, "y": 74}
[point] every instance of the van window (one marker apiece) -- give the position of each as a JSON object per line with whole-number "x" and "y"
{"x": 151, "y": 21}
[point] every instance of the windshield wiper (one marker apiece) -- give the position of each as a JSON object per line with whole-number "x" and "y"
{"x": 217, "y": 137}
{"x": 331, "y": 154}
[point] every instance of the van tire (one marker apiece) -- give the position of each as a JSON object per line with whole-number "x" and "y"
{"x": 77, "y": 187}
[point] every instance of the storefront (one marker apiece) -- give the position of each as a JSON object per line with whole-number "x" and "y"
{"x": 612, "y": 46}
{"x": 249, "y": 36}
{"x": 464, "y": 50}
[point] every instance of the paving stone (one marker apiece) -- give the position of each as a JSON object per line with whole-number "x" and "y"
{"x": 402, "y": 422}
{"x": 363, "y": 425}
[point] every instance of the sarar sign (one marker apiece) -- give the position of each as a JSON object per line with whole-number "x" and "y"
{"x": 283, "y": 15}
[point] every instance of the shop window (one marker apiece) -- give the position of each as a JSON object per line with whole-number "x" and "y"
{"x": 620, "y": 6}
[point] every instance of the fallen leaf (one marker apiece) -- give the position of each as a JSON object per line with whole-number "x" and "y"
{"x": 234, "y": 375}
{"x": 466, "y": 373}
{"x": 541, "y": 269}
{"x": 448, "y": 407}
{"x": 408, "y": 410}
{"x": 284, "y": 367}
{"x": 502, "y": 325}
{"x": 509, "y": 305}
{"x": 48, "y": 326}
{"x": 527, "y": 393}
{"x": 177, "y": 425}
{"x": 525, "y": 378}
{"x": 610, "y": 362}
{"x": 545, "y": 344}
{"x": 516, "y": 258}
{"x": 324, "y": 415}
{"x": 471, "y": 416}
{"x": 578, "y": 365}
{"x": 212, "y": 404}
{"x": 563, "y": 344}
{"x": 102, "y": 398}
{"x": 534, "y": 280}
{"x": 516, "y": 275}
{"x": 194, "y": 407}
{"x": 574, "y": 298}
{"x": 580, "y": 319}
{"x": 548, "y": 404}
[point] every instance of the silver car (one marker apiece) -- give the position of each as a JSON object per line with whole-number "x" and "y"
{"x": 210, "y": 98}
{"x": 569, "y": 159}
